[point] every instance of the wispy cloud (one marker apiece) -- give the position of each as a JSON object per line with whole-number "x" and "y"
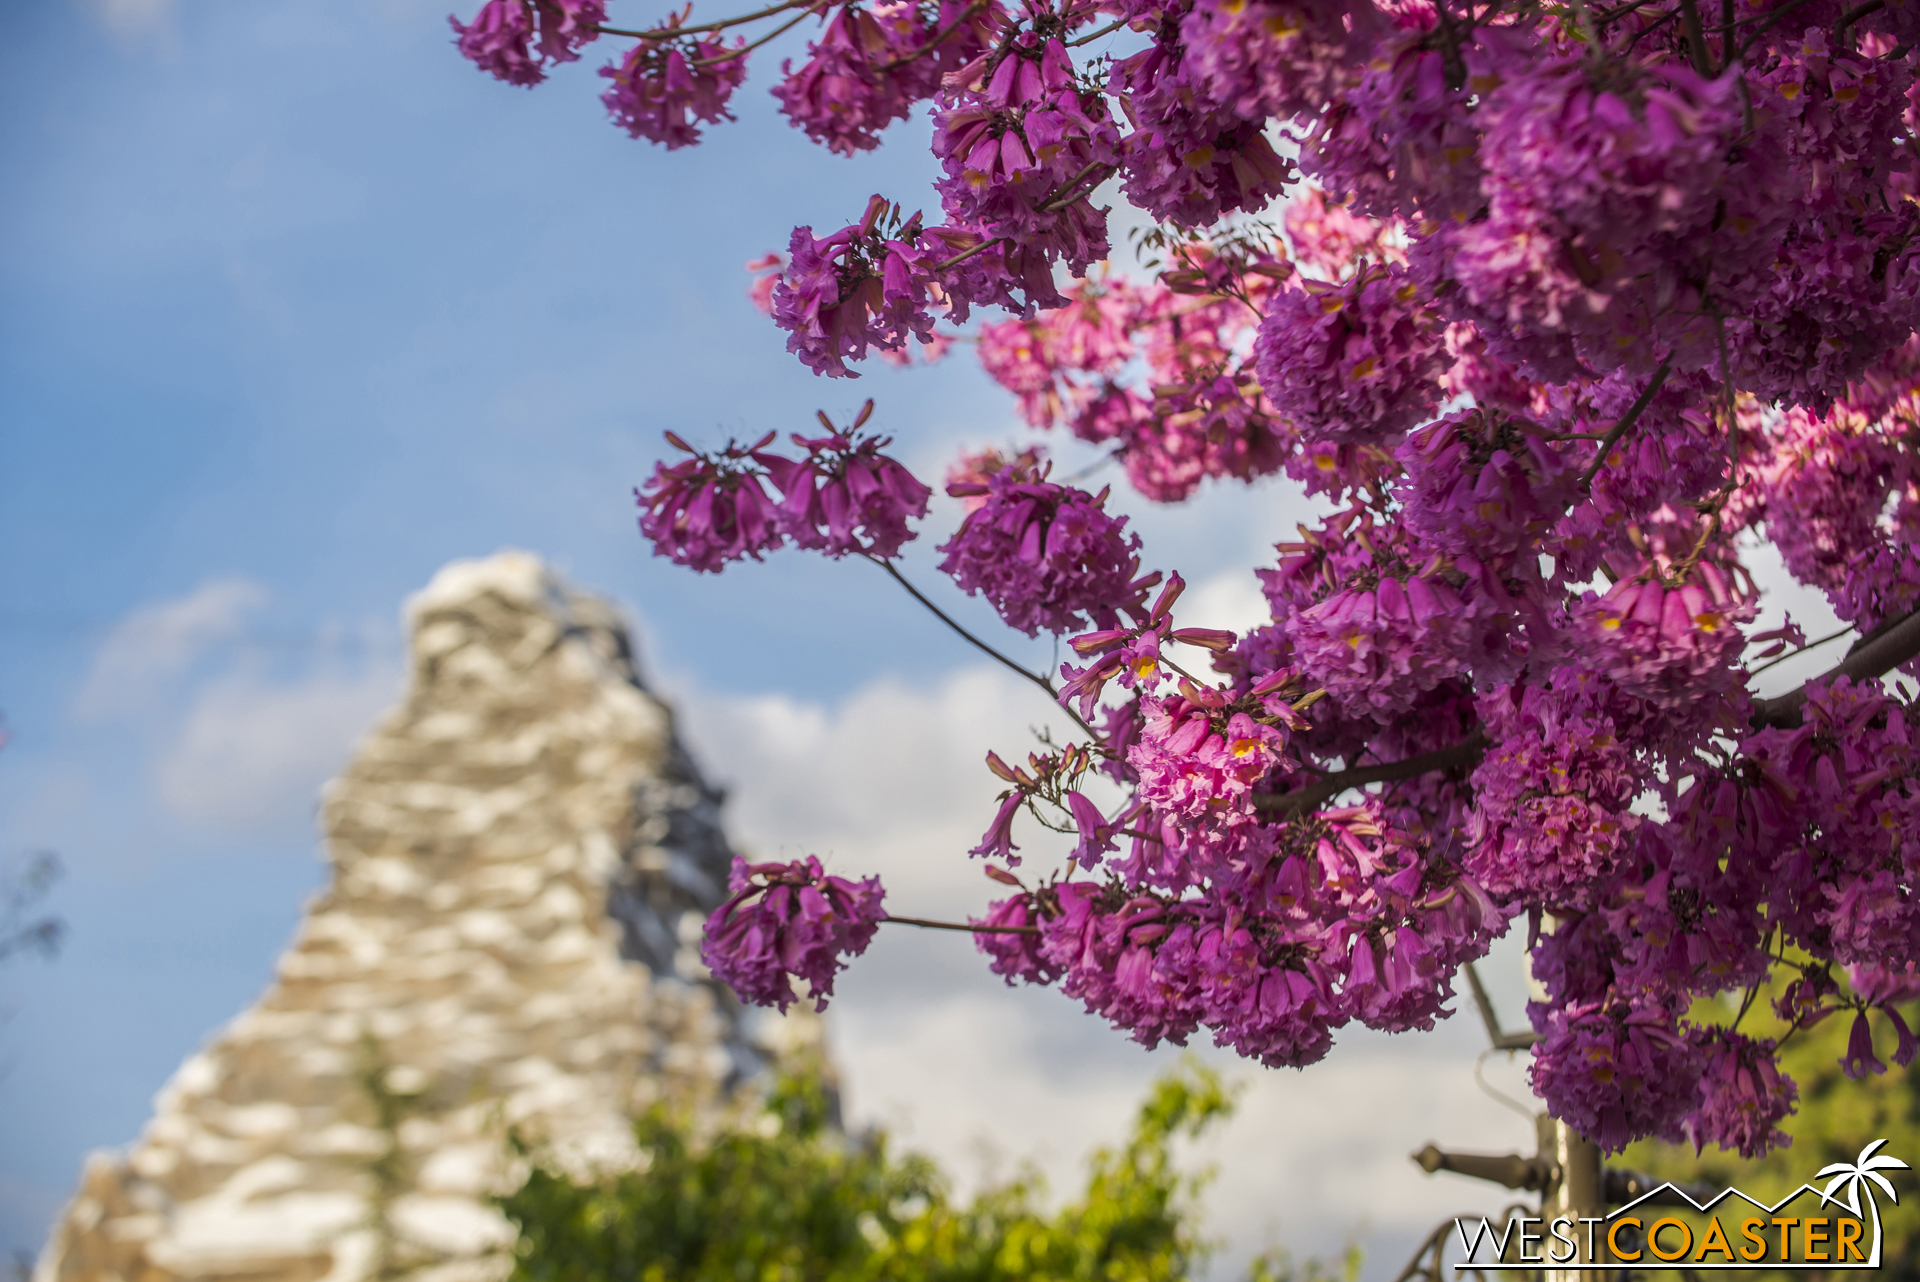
{"x": 155, "y": 645}
{"x": 253, "y": 752}
{"x": 136, "y": 20}
{"x": 242, "y": 725}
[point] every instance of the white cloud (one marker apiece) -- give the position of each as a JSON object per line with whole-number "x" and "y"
{"x": 135, "y": 20}
{"x": 890, "y": 781}
{"x": 242, "y": 727}
{"x": 1232, "y": 601}
{"x": 252, "y": 752}
{"x": 155, "y": 645}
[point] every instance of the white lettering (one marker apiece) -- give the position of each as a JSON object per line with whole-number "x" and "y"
{"x": 1526, "y": 1237}
{"x": 1485, "y": 1233}
{"x": 1559, "y": 1223}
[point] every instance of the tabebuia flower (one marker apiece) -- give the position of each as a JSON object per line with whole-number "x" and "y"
{"x": 789, "y": 921}
{"x": 870, "y": 65}
{"x": 1046, "y": 556}
{"x": 1673, "y": 646}
{"x": 1281, "y": 58}
{"x": 845, "y": 495}
{"x": 662, "y": 86}
{"x": 1198, "y": 764}
{"x": 1009, "y": 936}
{"x": 1020, "y": 152}
{"x": 709, "y": 509}
{"x": 1188, "y": 159}
{"x": 1483, "y": 484}
{"x": 863, "y": 286}
{"x": 1615, "y": 1072}
{"x": 1386, "y": 645}
{"x": 1356, "y": 361}
{"x": 1551, "y": 819}
{"x": 1744, "y": 1095}
{"x": 1328, "y": 238}
{"x": 499, "y": 40}
{"x": 1611, "y": 199}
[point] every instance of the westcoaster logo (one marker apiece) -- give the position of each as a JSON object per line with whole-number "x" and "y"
{"x": 1840, "y": 1231}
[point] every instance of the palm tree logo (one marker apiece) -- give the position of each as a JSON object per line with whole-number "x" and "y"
{"x": 1855, "y": 1176}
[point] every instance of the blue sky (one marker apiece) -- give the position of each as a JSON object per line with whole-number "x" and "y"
{"x": 294, "y": 308}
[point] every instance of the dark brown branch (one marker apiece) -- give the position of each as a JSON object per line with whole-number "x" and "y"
{"x": 966, "y": 15}
{"x": 667, "y": 33}
{"x": 954, "y": 925}
{"x": 744, "y": 50}
{"x": 1465, "y": 753}
{"x": 1052, "y": 692}
{"x": 1853, "y": 15}
{"x": 1874, "y": 657}
{"x": 1619, "y": 430}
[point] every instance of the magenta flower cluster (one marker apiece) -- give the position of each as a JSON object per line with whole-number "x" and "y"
{"x": 789, "y": 921}
{"x": 1048, "y": 557}
{"x": 843, "y": 496}
{"x": 1585, "y": 314}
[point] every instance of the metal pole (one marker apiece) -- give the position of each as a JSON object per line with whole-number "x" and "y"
{"x": 1576, "y": 1191}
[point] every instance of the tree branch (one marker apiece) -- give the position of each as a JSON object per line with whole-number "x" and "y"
{"x": 954, "y": 925}
{"x": 1465, "y": 753}
{"x": 1634, "y": 411}
{"x": 1874, "y": 657}
{"x": 1052, "y": 692}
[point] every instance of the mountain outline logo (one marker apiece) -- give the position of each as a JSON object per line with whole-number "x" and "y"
{"x": 1852, "y": 1241}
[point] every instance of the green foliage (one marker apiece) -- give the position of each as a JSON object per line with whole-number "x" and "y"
{"x": 1837, "y": 1117}
{"x": 785, "y": 1197}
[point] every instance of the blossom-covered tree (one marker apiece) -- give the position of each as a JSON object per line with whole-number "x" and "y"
{"x": 1559, "y": 309}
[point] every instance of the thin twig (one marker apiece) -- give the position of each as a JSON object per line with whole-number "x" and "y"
{"x": 1467, "y": 752}
{"x": 1069, "y": 191}
{"x": 1794, "y": 654}
{"x": 1109, "y": 29}
{"x": 1852, "y": 16}
{"x": 952, "y": 925}
{"x": 1868, "y": 661}
{"x": 666, "y": 33}
{"x": 744, "y": 50}
{"x": 1626, "y": 421}
{"x": 982, "y": 646}
{"x": 1772, "y": 18}
{"x": 977, "y": 250}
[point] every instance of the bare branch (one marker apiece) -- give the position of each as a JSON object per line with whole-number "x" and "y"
{"x": 925, "y": 924}
{"x": 1465, "y": 753}
{"x": 1878, "y": 654}
{"x": 1627, "y": 420}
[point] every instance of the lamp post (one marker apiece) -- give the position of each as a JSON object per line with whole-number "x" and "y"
{"x": 1565, "y": 1170}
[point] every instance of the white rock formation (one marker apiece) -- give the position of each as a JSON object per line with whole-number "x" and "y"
{"x": 522, "y": 856}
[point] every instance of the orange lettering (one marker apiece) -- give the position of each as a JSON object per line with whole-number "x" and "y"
{"x": 1613, "y": 1240}
{"x": 1715, "y": 1240}
{"x": 1847, "y": 1238}
{"x": 1653, "y": 1238}
{"x": 1747, "y": 1228}
{"x": 1786, "y": 1236}
{"x": 1813, "y": 1239}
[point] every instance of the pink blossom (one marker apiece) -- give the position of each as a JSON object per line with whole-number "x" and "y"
{"x": 787, "y": 921}
{"x": 1045, "y": 555}
{"x": 1616, "y": 1073}
{"x": 1012, "y": 955}
{"x": 1668, "y": 645}
{"x": 846, "y": 496}
{"x": 502, "y": 34}
{"x": 662, "y": 86}
{"x": 868, "y": 68}
{"x": 1354, "y": 362}
{"x": 708, "y": 509}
